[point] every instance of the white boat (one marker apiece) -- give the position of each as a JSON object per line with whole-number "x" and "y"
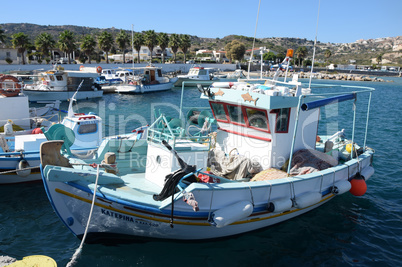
{"x": 19, "y": 148}
{"x": 196, "y": 75}
{"x": 61, "y": 85}
{"x": 265, "y": 163}
{"x": 236, "y": 74}
{"x": 151, "y": 80}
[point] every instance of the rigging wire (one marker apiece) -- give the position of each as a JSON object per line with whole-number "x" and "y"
{"x": 255, "y": 32}
{"x": 315, "y": 42}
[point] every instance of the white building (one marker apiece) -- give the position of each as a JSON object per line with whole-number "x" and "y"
{"x": 145, "y": 54}
{"x": 211, "y": 55}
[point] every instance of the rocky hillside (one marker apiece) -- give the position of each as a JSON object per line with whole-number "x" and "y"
{"x": 363, "y": 52}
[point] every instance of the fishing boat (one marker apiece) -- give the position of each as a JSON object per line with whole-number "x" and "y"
{"x": 59, "y": 84}
{"x": 151, "y": 80}
{"x": 264, "y": 162}
{"x": 196, "y": 75}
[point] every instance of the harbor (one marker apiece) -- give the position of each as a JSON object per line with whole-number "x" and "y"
{"x": 356, "y": 216}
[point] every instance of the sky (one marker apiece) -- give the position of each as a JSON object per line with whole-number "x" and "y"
{"x": 340, "y": 21}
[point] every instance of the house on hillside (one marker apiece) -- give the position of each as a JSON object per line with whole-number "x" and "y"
{"x": 211, "y": 55}
{"x": 145, "y": 54}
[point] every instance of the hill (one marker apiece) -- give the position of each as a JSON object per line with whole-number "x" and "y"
{"x": 363, "y": 52}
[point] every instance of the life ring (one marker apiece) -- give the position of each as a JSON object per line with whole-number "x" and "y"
{"x": 99, "y": 69}
{"x": 10, "y": 91}
{"x": 23, "y": 164}
{"x": 82, "y": 67}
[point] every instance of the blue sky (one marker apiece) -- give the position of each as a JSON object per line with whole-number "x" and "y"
{"x": 340, "y": 21}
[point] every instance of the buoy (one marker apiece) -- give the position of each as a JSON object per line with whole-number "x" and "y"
{"x": 359, "y": 186}
{"x": 341, "y": 187}
{"x": 23, "y": 164}
{"x": 307, "y": 199}
{"x": 348, "y": 148}
{"x": 232, "y": 213}
{"x": 36, "y": 131}
{"x": 99, "y": 69}
{"x": 35, "y": 260}
{"x": 280, "y": 205}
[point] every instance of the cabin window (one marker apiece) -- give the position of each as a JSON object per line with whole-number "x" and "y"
{"x": 219, "y": 111}
{"x": 257, "y": 118}
{"x": 235, "y": 114}
{"x": 282, "y": 120}
{"x": 159, "y": 73}
{"x": 59, "y": 77}
{"x": 87, "y": 128}
{"x": 202, "y": 72}
{"x": 51, "y": 77}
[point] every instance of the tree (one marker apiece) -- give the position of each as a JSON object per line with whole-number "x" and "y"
{"x": 270, "y": 56}
{"x": 44, "y": 42}
{"x": 88, "y": 46}
{"x": 327, "y": 54}
{"x": 185, "y": 44}
{"x": 2, "y": 36}
{"x": 379, "y": 58}
{"x": 235, "y": 50}
{"x": 174, "y": 43}
{"x": 21, "y": 42}
{"x": 67, "y": 43}
{"x": 123, "y": 40}
{"x": 163, "y": 42}
{"x": 138, "y": 41}
{"x": 301, "y": 53}
{"x": 150, "y": 40}
{"x": 105, "y": 42}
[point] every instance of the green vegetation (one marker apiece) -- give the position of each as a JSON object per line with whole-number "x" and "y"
{"x": 86, "y": 42}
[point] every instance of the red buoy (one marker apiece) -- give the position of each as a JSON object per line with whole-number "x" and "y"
{"x": 37, "y": 131}
{"x": 359, "y": 186}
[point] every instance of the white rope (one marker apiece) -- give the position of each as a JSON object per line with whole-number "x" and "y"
{"x": 78, "y": 251}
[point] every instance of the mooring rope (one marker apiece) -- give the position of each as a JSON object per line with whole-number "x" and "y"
{"x": 78, "y": 251}
{"x": 17, "y": 170}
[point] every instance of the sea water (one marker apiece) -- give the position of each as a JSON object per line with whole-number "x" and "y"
{"x": 347, "y": 231}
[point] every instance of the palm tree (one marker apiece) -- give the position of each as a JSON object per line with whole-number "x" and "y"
{"x": 44, "y": 42}
{"x": 174, "y": 43}
{"x": 21, "y": 42}
{"x": 150, "y": 40}
{"x": 123, "y": 40}
{"x": 2, "y": 36}
{"x": 88, "y": 46}
{"x": 301, "y": 53}
{"x": 185, "y": 44}
{"x": 138, "y": 41}
{"x": 163, "y": 42}
{"x": 67, "y": 43}
{"x": 105, "y": 41}
{"x": 327, "y": 54}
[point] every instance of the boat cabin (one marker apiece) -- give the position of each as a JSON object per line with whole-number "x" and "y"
{"x": 260, "y": 126}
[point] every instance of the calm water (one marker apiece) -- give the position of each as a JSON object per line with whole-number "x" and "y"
{"x": 355, "y": 231}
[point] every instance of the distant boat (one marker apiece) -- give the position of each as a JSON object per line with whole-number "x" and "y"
{"x": 151, "y": 80}
{"x": 58, "y": 84}
{"x": 196, "y": 75}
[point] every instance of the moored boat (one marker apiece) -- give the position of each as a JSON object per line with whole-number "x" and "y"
{"x": 61, "y": 85}
{"x": 151, "y": 80}
{"x": 265, "y": 163}
{"x": 196, "y": 75}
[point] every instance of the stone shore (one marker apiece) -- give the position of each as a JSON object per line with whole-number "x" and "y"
{"x": 326, "y": 76}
